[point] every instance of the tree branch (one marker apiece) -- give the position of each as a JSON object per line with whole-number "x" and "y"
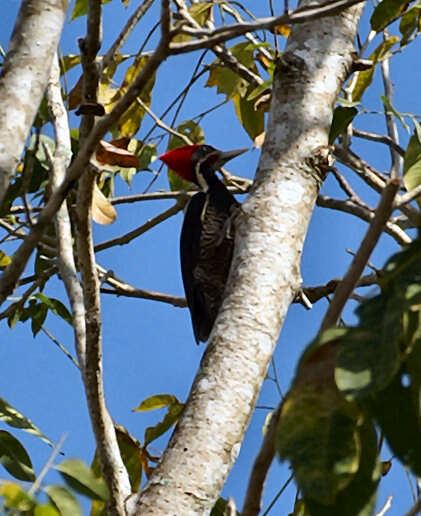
{"x": 397, "y": 160}
{"x": 134, "y": 19}
{"x": 381, "y": 138}
{"x": 65, "y": 258}
{"x": 363, "y": 213}
{"x": 14, "y": 270}
{"x": 262, "y": 463}
{"x": 221, "y": 34}
{"x": 347, "y": 285}
{"x": 131, "y": 235}
{"x": 121, "y": 288}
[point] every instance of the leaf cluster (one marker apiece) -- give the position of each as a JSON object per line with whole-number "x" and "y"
{"x": 351, "y": 383}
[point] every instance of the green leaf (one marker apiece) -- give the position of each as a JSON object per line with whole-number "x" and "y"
{"x": 258, "y": 90}
{"x": 16, "y": 419}
{"x": 318, "y": 433}
{"x": 365, "y": 77}
{"x": 252, "y": 120}
{"x": 412, "y": 163}
{"x": 200, "y": 12}
{"x": 14, "y": 316}
{"x": 14, "y": 457}
{"x": 38, "y": 314}
{"x": 397, "y": 410}
{"x": 390, "y": 108}
{"x": 156, "y": 402}
{"x": 45, "y": 509}
{"x": 386, "y": 12}
{"x": 359, "y": 496}
{"x": 128, "y": 124}
{"x": 68, "y": 62}
{"x": 56, "y": 307}
{"x": 14, "y": 497}
{"x": 81, "y": 8}
{"x": 368, "y": 360}
{"x": 227, "y": 81}
{"x": 82, "y": 479}
{"x": 64, "y": 500}
{"x": 174, "y": 411}
{"x": 409, "y": 22}
{"x": 131, "y": 454}
{"x": 4, "y": 260}
{"x": 342, "y": 117}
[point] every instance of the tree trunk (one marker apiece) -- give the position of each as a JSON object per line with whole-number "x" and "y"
{"x": 265, "y": 274}
{"x": 24, "y": 77}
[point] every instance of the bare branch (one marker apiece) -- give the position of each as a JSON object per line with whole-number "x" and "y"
{"x": 381, "y": 138}
{"x": 122, "y": 288}
{"x": 221, "y": 34}
{"x": 363, "y": 213}
{"x": 397, "y": 160}
{"x": 408, "y": 197}
{"x": 386, "y": 506}
{"x": 14, "y": 270}
{"x": 224, "y": 55}
{"x": 140, "y": 11}
{"x": 128, "y": 237}
{"x": 162, "y": 124}
{"x": 372, "y": 177}
{"x": 346, "y": 287}
{"x": 60, "y": 346}
{"x": 319, "y": 292}
{"x": 60, "y": 162}
{"x": 261, "y": 465}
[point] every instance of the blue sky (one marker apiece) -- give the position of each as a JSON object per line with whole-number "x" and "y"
{"x": 149, "y": 347}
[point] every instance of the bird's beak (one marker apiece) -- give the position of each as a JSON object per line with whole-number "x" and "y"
{"x": 223, "y": 157}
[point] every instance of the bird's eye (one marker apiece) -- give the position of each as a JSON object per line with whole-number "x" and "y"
{"x": 206, "y": 149}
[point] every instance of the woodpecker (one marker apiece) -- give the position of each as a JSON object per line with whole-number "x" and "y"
{"x": 207, "y": 236}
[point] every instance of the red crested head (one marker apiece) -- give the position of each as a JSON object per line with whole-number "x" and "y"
{"x": 181, "y": 161}
{"x": 184, "y": 160}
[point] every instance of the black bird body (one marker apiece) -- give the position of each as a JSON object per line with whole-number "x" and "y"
{"x": 206, "y": 248}
{"x": 207, "y": 237}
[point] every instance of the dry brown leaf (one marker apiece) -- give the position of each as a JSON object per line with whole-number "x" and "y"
{"x": 109, "y": 154}
{"x": 102, "y": 211}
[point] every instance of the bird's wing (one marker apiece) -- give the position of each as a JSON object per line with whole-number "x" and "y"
{"x": 190, "y": 256}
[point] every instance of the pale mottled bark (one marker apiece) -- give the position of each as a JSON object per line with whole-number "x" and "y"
{"x": 24, "y": 77}
{"x": 265, "y": 274}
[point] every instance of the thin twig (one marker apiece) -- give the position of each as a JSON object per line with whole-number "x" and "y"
{"x": 162, "y": 124}
{"x": 350, "y": 207}
{"x": 128, "y": 237}
{"x": 381, "y": 138}
{"x": 397, "y": 160}
{"x": 60, "y": 346}
{"x": 346, "y": 287}
{"x": 12, "y": 273}
{"x": 140, "y": 11}
{"x": 56, "y": 450}
{"x": 122, "y": 288}
{"x": 261, "y": 467}
{"x": 322, "y": 291}
{"x": 386, "y": 506}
